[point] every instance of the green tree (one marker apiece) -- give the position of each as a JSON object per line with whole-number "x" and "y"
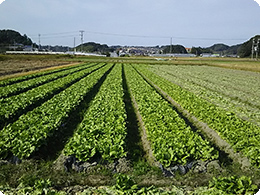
{"x": 174, "y": 49}
{"x": 198, "y": 50}
{"x": 13, "y": 37}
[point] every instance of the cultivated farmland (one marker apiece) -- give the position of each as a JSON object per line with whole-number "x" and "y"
{"x": 132, "y": 126}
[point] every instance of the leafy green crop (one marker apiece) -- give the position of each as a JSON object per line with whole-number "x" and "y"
{"x": 172, "y": 140}
{"x": 242, "y": 135}
{"x": 20, "y": 87}
{"x": 102, "y": 130}
{"x": 234, "y": 185}
{"x": 30, "y": 131}
{"x": 233, "y": 90}
{"x": 19, "y": 104}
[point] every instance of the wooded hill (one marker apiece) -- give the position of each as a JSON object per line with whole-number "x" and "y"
{"x": 12, "y": 37}
{"x": 13, "y": 40}
{"x": 245, "y": 50}
{"x": 174, "y": 49}
{"x": 241, "y": 50}
{"x": 93, "y": 47}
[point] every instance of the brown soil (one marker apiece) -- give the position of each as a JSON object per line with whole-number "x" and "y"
{"x": 14, "y": 68}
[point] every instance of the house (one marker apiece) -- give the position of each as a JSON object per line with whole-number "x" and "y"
{"x": 28, "y": 48}
{"x": 188, "y": 49}
{"x": 205, "y": 55}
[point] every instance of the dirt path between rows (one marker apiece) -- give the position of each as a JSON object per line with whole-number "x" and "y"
{"x": 146, "y": 144}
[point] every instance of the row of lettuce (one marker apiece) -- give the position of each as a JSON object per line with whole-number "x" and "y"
{"x": 14, "y": 106}
{"x": 102, "y": 132}
{"x": 242, "y": 135}
{"x": 19, "y": 87}
{"x": 32, "y": 76}
{"x": 233, "y": 90}
{"x": 27, "y": 134}
{"x": 172, "y": 140}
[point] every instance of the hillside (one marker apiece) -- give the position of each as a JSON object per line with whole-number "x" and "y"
{"x": 13, "y": 40}
{"x": 241, "y": 50}
{"x": 13, "y": 37}
{"x": 219, "y": 48}
{"x": 225, "y": 49}
{"x": 246, "y": 48}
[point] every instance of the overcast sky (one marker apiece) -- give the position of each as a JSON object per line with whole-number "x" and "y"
{"x": 133, "y": 22}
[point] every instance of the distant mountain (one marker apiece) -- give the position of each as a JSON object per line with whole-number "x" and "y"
{"x": 219, "y": 48}
{"x": 232, "y": 50}
{"x": 241, "y": 50}
{"x": 225, "y": 49}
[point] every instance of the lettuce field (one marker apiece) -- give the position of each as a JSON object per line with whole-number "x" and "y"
{"x": 159, "y": 125}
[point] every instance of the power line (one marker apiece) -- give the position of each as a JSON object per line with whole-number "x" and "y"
{"x": 57, "y": 37}
{"x": 73, "y": 34}
{"x": 56, "y": 33}
{"x": 60, "y": 33}
{"x": 127, "y": 35}
{"x": 163, "y": 37}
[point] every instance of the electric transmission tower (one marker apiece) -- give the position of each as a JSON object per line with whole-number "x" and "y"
{"x": 171, "y": 46}
{"x": 255, "y": 48}
{"x": 81, "y": 37}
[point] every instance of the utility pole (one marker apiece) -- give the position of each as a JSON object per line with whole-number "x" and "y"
{"x": 257, "y": 48}
{"x": 252, "y": 52}
{"x": 171, "y": 46}
{"x": 81, "y": 35}
{"x": 39, "y": 35}
{"x": 74, "y": 45}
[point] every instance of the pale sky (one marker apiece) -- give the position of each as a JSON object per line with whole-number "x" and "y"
{"x": 133, "y": 22}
